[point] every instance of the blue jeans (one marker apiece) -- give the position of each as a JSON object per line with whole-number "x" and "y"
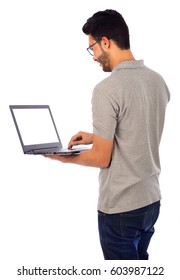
{"x": 126, "y": 236}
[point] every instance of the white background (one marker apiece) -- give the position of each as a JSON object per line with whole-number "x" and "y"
{"x": 47, "y": 209}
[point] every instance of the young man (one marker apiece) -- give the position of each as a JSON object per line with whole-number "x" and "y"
{"x": 128, "y": 111}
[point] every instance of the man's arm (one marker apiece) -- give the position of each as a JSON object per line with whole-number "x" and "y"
{"x": 98, "y": 156}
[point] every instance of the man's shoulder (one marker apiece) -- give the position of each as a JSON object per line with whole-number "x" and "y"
{"x": 106, "y": 85}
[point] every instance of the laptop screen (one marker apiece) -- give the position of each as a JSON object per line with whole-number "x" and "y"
{"x": 35, "y": 126}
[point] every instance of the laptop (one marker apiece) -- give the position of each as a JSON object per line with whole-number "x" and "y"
{"x": 37, "y": 131}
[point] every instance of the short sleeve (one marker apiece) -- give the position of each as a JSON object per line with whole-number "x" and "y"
{"x": 104, "y": 114}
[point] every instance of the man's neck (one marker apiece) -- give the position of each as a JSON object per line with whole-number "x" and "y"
{"x": 121, "y": 56}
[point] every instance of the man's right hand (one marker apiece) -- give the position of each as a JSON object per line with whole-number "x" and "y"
{"x": 81, "y": 138}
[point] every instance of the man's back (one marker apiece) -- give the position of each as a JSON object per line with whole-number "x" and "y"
{"x": 129, "y": 106}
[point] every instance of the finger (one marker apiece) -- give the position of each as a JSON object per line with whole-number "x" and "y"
{"x": 74, "y": 143}
{"x": 75, "y": 140}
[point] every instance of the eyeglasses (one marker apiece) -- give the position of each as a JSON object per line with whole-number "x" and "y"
{"x": 90, "y": 48}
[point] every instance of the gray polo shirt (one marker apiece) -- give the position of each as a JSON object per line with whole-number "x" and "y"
{"x": 129, "y": 107}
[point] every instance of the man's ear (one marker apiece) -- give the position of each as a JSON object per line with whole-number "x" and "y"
{"x": 105, "y": 42}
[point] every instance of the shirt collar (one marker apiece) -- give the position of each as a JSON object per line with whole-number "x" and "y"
{"x": 130, "y": 64}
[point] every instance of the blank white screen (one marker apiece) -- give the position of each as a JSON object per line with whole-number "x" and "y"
{"x": 36, "y": 126}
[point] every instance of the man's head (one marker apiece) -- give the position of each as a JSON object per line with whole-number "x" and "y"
{"x": 106, "y": 29}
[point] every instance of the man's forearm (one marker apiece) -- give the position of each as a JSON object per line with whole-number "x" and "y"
{"x": 98, "y": 156}
{"x": 87, "y": 158}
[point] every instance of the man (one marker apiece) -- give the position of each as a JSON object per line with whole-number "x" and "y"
{"x": 128, "y": 111}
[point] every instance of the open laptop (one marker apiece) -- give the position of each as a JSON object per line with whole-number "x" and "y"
{"x": 37, "y": 131}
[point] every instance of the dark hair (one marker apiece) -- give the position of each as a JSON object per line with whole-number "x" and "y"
{"x": 111, "y": 24}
